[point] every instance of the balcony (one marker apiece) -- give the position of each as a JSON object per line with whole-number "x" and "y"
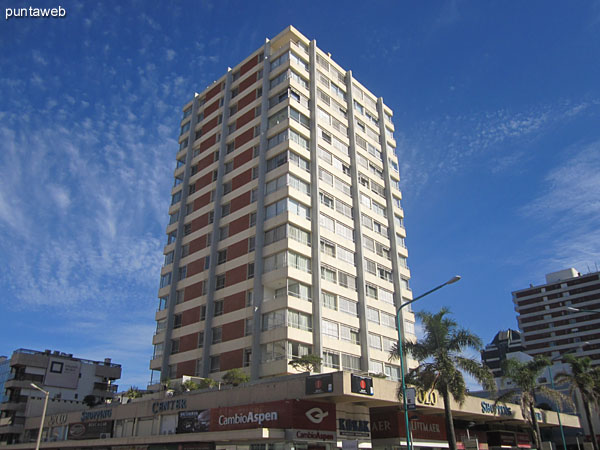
{"x": 23, "y": 380}
{"x": 105, "y": 388}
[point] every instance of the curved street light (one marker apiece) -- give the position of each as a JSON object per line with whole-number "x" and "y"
{"x": 47, "y": 394}
{"x": 401, "y": 355}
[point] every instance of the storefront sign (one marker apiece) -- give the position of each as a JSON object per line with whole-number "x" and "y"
{"x": 319, "y": 384}
{"x": 361, "y": 385}
{"x": 90, "y": 430}
{"x": 309, "y": 435}
{"x": 193, "y": 421}
{"x": 57, "y": 419}
{"x": 390, "y": 423}
{"x": 523, "y": 440}
{"x": 351, "y": 427}
{"x": 296, "y": 414}
{"x": 500, "y": 410}
{"x": 501, "y": 438}
{"x": 103, "y": 414}
{"x": 427, "y": 397}
{"x": 169, "y": 405}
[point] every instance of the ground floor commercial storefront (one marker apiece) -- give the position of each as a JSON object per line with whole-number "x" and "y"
{"x": 300, "y": 412}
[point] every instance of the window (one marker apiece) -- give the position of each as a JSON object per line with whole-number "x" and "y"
{"x": 215, "y": 363}
{"x": 162, "y": 302}
{"x": 371, "y": 291}
{"x": 169, "y": 258}
{"x": 372, "y": 315}
{"x": 225, "y": 210}
{"x": 248, "y": 326}
{"x": 179, "y": 296}
{"x": 300, "y": 320}
{"x": 222, "y": 256}
{"x": 174, "y": 346}
{"x": 176, "y": 198}
{"x": 174, "y": 217}
{"x": 349, "y": 334}
{"x": 201, "y": 339}
{"x": 350, "y": 362}
{"x": 224, "y": 232}
{"x": 331, "y": 359}
{"x": 247, "y": 357}
{"x": 207, "y": 262}
{"x": 326, "y": 200}
{"x": 251, "y": 244}
{"x": 182, "y": 273}
{"x": 218, "y": 308}
{"x": 328, "y": 274}
{"x": 220, "y": 282}
{"x": 273, "y": 319}
{"x": 177, "y": 321}
{"x": 329, "y": 300}
{"x": 273, "y": 351}
{"x": 250, "y": 271}
{"x": 187, "y": 229}
{"x": 327, "y": 248}
{"x": 226, "y": 188}
{"x": 217, "y": 335}
{"x": 165, "y": 280}
{"x": 326, "y": 177}
{"x": 330, "y": 329}
{"x": 375, "y": 341}
{"x": 299, "y": 290}
{"x": 348, "y": 306}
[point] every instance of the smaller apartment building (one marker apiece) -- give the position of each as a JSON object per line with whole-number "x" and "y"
{"x": 68, "y": 380}
{"x": 549, "y": 324}
{"x": 322, "y": 411}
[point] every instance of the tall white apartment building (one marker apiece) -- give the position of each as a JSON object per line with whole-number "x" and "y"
{"x": 558, "y": 316}
{"x": 286, "y": 233}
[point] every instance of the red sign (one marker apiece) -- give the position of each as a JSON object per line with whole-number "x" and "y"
{"x": 390, "y": 423}
{"x": 298, "y": 414}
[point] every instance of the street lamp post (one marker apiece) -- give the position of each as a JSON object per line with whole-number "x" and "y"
{"x": 47, "y": 394}
{"x": 562, "y": 431}
{"x": 401, "y": 355}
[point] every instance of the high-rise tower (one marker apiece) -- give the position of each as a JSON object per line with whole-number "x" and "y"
{"x": 286, "y": 233}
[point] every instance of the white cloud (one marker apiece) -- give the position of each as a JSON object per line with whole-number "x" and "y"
{"x": 171, "y": 54}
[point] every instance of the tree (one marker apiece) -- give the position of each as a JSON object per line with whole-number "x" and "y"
{"x": 440, "y": 359}
{"x": 525, "y": 375}
{"x": 235, "y": 377}
{"x": 133, "y": 392}
{"x": 190, "y": 385}
{"x": 90, "y": 400}
{"x": 586, "y": 380}
{"x": 306, "y": 363}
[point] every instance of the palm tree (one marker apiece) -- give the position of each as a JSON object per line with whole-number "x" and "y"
{"x": 441, "y": 361}
{"x": 525, "y": 375}
{"x": 586, "y": 380}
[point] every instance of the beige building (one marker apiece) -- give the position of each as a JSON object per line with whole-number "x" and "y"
{"x": 286, "y": 233}
{"x": 68, "y": 381}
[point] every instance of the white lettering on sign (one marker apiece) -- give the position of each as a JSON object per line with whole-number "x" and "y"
{"x": 251, "y": 417}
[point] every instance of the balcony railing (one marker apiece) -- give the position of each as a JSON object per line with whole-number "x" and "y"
{"x": 105, "y": 387}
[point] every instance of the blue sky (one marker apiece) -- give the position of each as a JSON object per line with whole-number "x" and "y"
{"x": 497, "y": 112}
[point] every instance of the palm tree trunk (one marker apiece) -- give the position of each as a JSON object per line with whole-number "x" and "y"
{"x": 588, "y": 416}
{"x": 536, "y": 428}
{"x": 450, "y": 435}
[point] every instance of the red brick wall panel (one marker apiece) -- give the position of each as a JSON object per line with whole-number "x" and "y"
{"x": 186, "y": 368}
{"x": 247, "y": 82}
{"x": 233, "y": 330}
{"x": 245, "y": 118}
{"x": 202, "y": 201}
{"x": 188, "y": 342}
{"x": 247, "y": 66}
{"x": 193, "y": 291}
{"x": 204, "y": 181}
{"x": 242, "y": 159}
{"x": 246, "y": 100}
{"x": 231, "y": 360}
{"x": 214, "y": 91}
{"x": 190, "y": 316}
{"x": 208, "y": 143}
{"x": 245, "y": 137}
{"x": 238, "y": 225}
{"x": 205, "y": 162}
{"x": 240, "y": 201}
{"x": 195, "y": 267}
{"x": 237, "y": 275}
{"x": 199, "y": 222}
{"x": 234, "y": 302}
{"x": 238, "y": 249}
{"x": 211, "y": 124}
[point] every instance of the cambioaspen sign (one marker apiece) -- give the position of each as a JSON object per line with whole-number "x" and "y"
{"x": 289, "y": 414}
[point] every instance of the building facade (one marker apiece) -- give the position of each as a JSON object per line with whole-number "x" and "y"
{"x": 68, "y": 380}
{"x": 549, "y": 318}
{"x": 503, "y": 344}
{"x": 286, "y": 233}
{"x": 303, "y": 411}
